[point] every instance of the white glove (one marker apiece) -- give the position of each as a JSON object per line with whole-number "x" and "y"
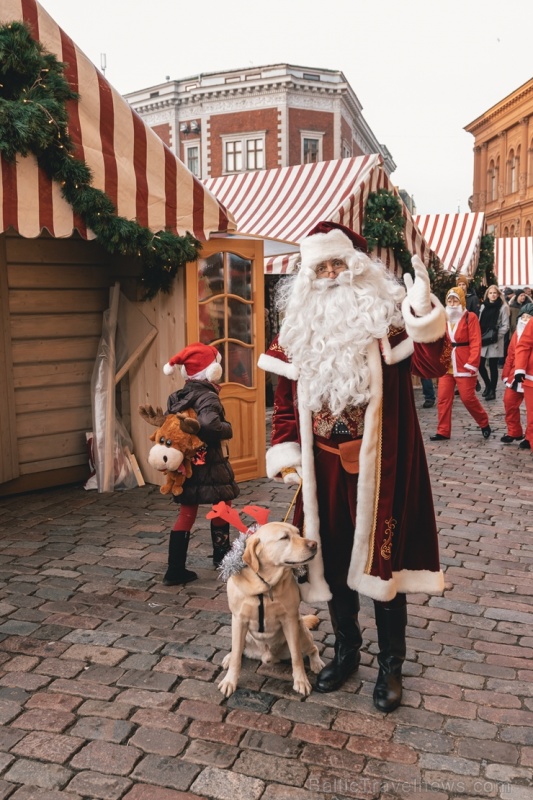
{"x": 292, "y": 477}
{"x": 418, "y": 293}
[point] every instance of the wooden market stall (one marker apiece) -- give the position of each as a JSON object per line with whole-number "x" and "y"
{"x": 55, "y": 278}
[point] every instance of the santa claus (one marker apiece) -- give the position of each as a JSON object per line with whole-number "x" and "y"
{"x": 345, "y": 424}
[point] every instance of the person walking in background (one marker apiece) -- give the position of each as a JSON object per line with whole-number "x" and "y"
{"x": 472, "y": 300}
{"x": 514, "y": 392}
{"x": 428, "y": 390}
{"x": 523, "y": 372}
{"x": 515, "y": 305}
{"x": 494, "y": 321}
{"x": 212, "y": 478}
{"x": 465, "y": 339}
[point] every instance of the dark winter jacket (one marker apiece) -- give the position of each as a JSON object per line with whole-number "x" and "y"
{"x": 212, "y": 480}
{"x": 472, "y": 302}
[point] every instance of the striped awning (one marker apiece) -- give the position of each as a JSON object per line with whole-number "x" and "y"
{"x": 513, "y": 261}
{"x": 286, "y": 203}
{"x": 145, "y": 181}
{"x": 455, "y": 238}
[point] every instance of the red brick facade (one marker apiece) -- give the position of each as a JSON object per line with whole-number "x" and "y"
{"x": 302, "y": 119}
{"x": 265, "y": 119}
{"x": 164, "y": 132}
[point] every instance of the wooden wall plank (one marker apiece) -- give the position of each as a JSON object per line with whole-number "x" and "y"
{"x": 54, "y": 350}
{"x": 9, "y": 458}
{"x": 46, "y": 326}
{"x": 57, "y": 276}
{"x": 49, "y": 398}
{"x": 67, "y": 374}
{"x": 50, "y": 447}
{"x": 35, "y": 301}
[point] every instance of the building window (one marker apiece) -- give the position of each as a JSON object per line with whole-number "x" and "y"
{"x": 192, "y": 158}
{"x": 511, "y": 173}
{"x": 247, "y": 153}
{"x": 346, "y": 150}
{"x": 528, "y": 228}
{"x": 310, "y": 150}
{"x": 492, "y": 181}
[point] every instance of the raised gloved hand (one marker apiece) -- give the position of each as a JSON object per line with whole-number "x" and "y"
{"x": 291, "y": 476}
{"x": 418, "y": 293}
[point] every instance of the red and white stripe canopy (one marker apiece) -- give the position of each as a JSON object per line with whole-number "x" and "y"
{"x": 455, "y": 238}
{"x": 286, "y": 203}
{"x": 513, "y": 261}
{"x": 145, "y": 181}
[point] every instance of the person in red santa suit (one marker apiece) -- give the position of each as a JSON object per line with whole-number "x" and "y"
{"x": 464, "y": 334}
{"x": 523, "y": 373}
{"x": 345, "y": 421}
{"x": 514, "y": 392}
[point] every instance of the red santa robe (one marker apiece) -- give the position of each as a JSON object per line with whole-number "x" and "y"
{"x": 512, "y": 398}
{"x": 395, "y": 546}
{"x": 523, "y": 365}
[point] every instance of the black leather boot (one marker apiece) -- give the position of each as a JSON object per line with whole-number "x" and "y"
{"x": 176, "y": 573}
{"x": 390, "y": 623}
{"x": 343, "y": 609}
{"x": 220, "y": 539}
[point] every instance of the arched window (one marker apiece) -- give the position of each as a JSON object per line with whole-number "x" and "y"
{"x": 506, "y": 232}
{"x": 530, "y": 164}
{"x": 512, "y": 231}
{"x": 527, "y": 228}
{"x": 511, "y": 173}
{"x": 492, "y": 181}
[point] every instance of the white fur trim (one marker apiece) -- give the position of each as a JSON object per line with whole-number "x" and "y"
{"x": 471, "y": 368}
{"x": 406, "y": 581}
{"x": 324, "y": 247}
{"x": 213, "y": 372}
{"x": 280, "y": 456}
{"x": 393, "y": 355}
{"x": 168, "y": 369}
{"x": 277, "y": 366}
{"x": 367, "y": 485}
{"x": 428, "y": 328}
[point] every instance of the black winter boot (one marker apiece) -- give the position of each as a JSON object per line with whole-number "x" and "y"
{"x": 176, "y": 573}
{"x": 390, "y": 623}
{"x": 220, "y": 539}
{"x": 343, "y": 609}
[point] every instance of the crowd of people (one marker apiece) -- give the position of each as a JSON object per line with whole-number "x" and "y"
{"x": 485, "y": 336}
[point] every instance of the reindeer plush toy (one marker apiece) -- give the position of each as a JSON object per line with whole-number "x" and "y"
{"x": 175, "y": 444}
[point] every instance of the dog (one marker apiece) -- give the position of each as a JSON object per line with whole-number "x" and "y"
{"x": 264, "y": 601}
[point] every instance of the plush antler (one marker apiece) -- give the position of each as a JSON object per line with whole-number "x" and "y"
{"x": 258, "y": 513}
{"x": 155, "y": 418}
{"x": 188, "y": 422}
{"x": 228, "y": 514}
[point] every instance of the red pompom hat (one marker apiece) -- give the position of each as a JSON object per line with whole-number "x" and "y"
{"x": 329, "y": 240}
{"x": 199, "y": 361}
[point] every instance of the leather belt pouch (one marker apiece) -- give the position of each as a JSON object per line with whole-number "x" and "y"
{"x": 349, "y": 455}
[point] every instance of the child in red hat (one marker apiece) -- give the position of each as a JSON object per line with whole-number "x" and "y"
{"x": 212, "y": 478}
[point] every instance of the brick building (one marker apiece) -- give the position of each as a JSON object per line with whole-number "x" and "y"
{"x": 258, "y": 118}
{"x": 503, "y": 164}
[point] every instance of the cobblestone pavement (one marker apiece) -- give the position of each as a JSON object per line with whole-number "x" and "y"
{"x": 108, "y": 678}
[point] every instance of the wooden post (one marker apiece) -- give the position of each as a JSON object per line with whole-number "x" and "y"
{"x": 108, "y": 471}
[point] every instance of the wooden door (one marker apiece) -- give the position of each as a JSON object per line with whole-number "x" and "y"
{"x": 225, "y": 307}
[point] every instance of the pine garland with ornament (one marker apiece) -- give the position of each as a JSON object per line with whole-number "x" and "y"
{"x": 384, "y": 226}
{"x": 34, "y": 120}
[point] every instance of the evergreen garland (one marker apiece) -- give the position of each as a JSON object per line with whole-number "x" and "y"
{"x": 34, "y": 119}
{"x": 384, "y": 225}
{"x": 484, "y": 275}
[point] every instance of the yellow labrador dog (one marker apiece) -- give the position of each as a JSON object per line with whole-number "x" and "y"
{"x": 264, "y": 601}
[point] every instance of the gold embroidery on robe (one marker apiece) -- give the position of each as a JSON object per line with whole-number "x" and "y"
{"x": 352, "y": 416}
{"x": 386, "y": 547}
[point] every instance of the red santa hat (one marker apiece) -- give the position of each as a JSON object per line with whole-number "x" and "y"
{"x": 200, "y": 361}
{"x": 329, "y": 240}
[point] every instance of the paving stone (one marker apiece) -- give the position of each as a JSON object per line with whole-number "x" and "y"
{"x": 223, "y": 785}
{"x": 159, "y": 741}
{"x": 112, "y": 759}
{"x": 48, "y": 746}
{"x": 168, "y": 772}
{"x": 102, "y": 787}
{"x": 108, "y": 730}
{"x": 52, "y": 720}
{"x": 35, "y": 773}
{"x": 211, "y": 754}
{"x": 271, "y": 768}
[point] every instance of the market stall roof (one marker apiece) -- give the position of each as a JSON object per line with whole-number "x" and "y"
{"x": 140, "y": 174}
{"x": 513, "y": 261}
{"x": 286, "y": 203}
{"x": 455, "y": 238}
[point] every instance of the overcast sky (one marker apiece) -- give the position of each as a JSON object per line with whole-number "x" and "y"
{"x": 422, "y": 69}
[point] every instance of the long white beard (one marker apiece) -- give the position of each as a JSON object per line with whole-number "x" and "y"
{"x": 454, "y": 314}
{"x": 326, "y": 331}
